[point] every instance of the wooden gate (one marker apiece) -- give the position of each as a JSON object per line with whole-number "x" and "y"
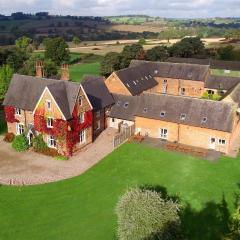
{"x": 123, "y": 136}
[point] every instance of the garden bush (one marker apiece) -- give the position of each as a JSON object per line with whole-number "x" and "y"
{"x": 38, "y": 144}
{"x": 9, "y": 137}
{"x": 145, "y": 215}
{"x": 61, "y": 158}
{"x": 20, "y": 143}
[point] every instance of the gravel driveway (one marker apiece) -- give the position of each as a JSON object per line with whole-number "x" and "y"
{"x": 30, "y": 168}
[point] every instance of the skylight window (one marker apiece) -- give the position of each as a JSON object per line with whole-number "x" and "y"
{"x": 134, "y": 83}
{"x": 162, "y": 114}
{"x": 156, "y": 71}
{"x": 146, "y": 77}
{"x": 204, "y": 120}
{"x": 126, "y": 104}
{"x": 128, "y": 85}
{"x": 183, "y": 116}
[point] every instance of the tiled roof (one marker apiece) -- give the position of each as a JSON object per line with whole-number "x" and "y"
{"x": 195, "y": 112}
{"x": 97, "y": 92}
{"x": 25, "y": 91}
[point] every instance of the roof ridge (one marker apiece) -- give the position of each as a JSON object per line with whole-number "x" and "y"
{"x": 188, "y": 97}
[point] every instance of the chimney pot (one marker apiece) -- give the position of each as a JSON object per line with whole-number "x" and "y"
{"x": 65, "y": 72}
{"x": 39, "y": 69}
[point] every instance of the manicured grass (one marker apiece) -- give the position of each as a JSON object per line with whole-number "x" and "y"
{"x": 83, "y": 207}
{"x": 220, "y": 72}
{"x": 78, "y": 71}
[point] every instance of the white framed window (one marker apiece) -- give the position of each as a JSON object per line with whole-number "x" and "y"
{"x": 113, "y": 119}
{"x": 51, "y": 142}
{"x": 183, "y": 116}
{"x": 82, "y": 137}
{"x": 20, "y": 128}
{"x": 182, "y": 91}
{"x": 98, "y": 125}
{"x": 163, "y": 133}
{"x": 98, "y": 113}
{"x": 50, "y": 122}
{"x": 18, "y": 111}
{"x": 49, "y": 104}
{"x": 222, "y": 141}
{"x": 80, "y": 101}
{"x": 81, "y": 117}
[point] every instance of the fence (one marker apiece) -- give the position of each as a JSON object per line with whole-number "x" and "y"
{"x": 123, "y": 136}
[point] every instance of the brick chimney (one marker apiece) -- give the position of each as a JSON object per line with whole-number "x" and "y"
{"x": 39, "y": 69}
{"x": 65, "y": 72}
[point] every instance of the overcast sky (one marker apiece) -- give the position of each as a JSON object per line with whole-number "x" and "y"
{"x": 163, "y": 8}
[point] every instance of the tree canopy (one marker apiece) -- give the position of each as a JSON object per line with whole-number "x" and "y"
{"x": 144, "y": 214}
{"x": 159, "y": 53}
{"x": 187, "y": 47}
{"x": 110, "y": 63}
{"x": 56, "y": 49}
{"x": 6, "y": 73}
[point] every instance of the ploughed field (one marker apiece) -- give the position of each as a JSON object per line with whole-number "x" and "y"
{"x": 84, "y": 207}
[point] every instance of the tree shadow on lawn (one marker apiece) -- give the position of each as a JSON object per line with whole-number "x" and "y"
{"x": 210, "y": 223}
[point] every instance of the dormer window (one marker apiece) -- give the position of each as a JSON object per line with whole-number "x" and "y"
{"x": 50, "y": 122}
{"x": 18, "y": 111}
{"x": 183, "y": 116}
{"x": 144, "y": 110}
{"x": 126, "y": 104}
{"x": 49, "y": 105}
{"x": 204, "y": 120}
{"x": 162, "y": 114}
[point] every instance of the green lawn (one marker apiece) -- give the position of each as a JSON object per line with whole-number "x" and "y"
{"x": 83, "y": 207}
{"x": 78, "y": 71}
{"x": 220, "y": 72}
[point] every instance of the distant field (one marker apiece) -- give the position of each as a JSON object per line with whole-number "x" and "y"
{"x": 220, "y": 72}
{"x": 78, "y": 71}
{"x": 135, "y": 28}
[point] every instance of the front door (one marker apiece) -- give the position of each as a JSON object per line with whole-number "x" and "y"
{"x": 30, "y": 138}
{"x": 212, "y": 143}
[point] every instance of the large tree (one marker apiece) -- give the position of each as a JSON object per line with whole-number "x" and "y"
{"x": 110, "y": 63}
{"x": 129, "y": 53}
{"x": 159, "y": 53}
{"x": 144, "y": 214}
{"x": 187, "y": 47}
{"x": 76, "y": 41}
{"x": 6, "y": 73}
{"x": 57, "y": 50}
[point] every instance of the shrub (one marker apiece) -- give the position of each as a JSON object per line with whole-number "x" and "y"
{"x": 61, "y": 158}
{"x": 144, "y": 214}
{"x": 38, "y": 144}
{"x": 20, "y": 143}
{"x": 234, "y": 233}
{"x": 9, "y": 137}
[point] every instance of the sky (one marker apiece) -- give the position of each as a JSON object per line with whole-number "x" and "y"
{"x": 162, "y": 8}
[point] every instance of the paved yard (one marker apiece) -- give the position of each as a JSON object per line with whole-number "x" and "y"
{"x": 31, "y": 168}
